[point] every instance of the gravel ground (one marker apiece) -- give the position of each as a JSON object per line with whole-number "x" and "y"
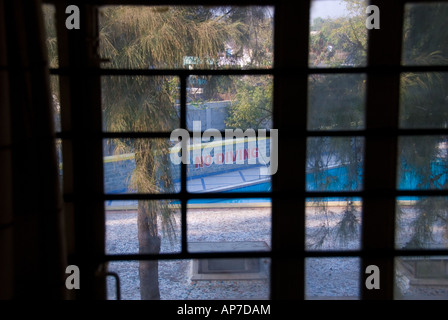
{"x": 325, "y": 277}
{"x": 204, "y": 225}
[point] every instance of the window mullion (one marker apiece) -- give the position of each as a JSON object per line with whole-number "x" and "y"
{"x": 381, "y": 151}
{"x": 83, "y": 152}
{"x": 290, "y": 96}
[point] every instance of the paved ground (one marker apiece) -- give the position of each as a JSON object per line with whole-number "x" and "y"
{"x": 329, "y": 278}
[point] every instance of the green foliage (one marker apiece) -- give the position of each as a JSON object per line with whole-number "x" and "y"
{"x": 252, "y": 107}
{"x": 153, "y": 37}
{"x": 317, "y": 24}
{"x": 336, "y": 102}
{"x": 347, "y": 37}
{"x": 424, "y": 105}
{"x": 425, "y": 34}
{"x": 160, "y": 37}
{"x": 255, "y": 35}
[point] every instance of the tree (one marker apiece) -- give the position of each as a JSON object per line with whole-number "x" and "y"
{"x": 424, "y": 105}
{"x": 422, "y": 161}
{"x": 252, "y": 47}
{"x": 154, "y": 37}
{"x": 167, "y": 37}
{"x": 336, "y": 102}
{"x": 252, "y": 104}
{"x": 340, "y": 41}
{"x": 160, "y": 37}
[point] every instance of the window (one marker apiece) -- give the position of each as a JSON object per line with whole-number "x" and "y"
{"x": 352, "y": 108}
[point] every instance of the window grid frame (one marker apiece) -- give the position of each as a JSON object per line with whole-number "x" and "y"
{"x": 280, "y": 73}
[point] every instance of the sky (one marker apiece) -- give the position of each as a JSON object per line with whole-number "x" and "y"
{"x": 327, "y": 8}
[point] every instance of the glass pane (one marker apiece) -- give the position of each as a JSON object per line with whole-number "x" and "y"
{"x": 216, "y": 225}
{"x": 59, "y": 161}
{"x": 333, "y": 223}
{"x": 221, "y": 279}
{"x": 230, "y": 102}
{"x": 139, "y": 166}
{"x": 425, "y": 33}
{"x": 49, "y": 12}
{"x": 423, "y": 100}
{"x": 239, "y": 165}
{"x": 128, "y": 273}
{"x": 174, "y": 281}
{"x": 422, "y": 163}
{"x": 338, "y": 34}
{"x": 421, "y": 278}
{"x": 193, "y": 37}
{"x": 334, "y": 164}
{"x": 220, "y": 162}
{"x": 56, "y": 102}
{"x": 336, "y": 102}
{"x": 332, "y": 278}
{"x": 138, "y": 104}
{"x": 422, "y": 222}
{"x": 161, "y": 236}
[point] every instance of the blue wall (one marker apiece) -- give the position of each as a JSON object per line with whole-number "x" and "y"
{"x": 118, "y": 171}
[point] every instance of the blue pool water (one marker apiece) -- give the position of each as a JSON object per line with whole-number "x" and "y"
{"x": 337, "y": 180}
{"x": 259, "y": 187}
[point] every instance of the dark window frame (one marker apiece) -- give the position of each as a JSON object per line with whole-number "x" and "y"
{"x": 79, "y": 75}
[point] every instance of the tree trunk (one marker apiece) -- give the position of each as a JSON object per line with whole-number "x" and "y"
{"x": 149, "y": 243}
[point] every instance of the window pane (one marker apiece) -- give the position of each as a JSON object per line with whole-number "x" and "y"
{"x": 334, "y": 164}
{"x": 230, "y": 102}
{"x": 229, "y": 225}
{"x": 222, "y": 163}
{"x": 223, "y": 225}
{"x": 56, "y": 102}
{"x": 422, "y": 222}
{"x": 421, "y": 278}
{"x": 332, "y": 278}
{"x": 336, "y": 102}
{"x": 49, "y": 12}
{"x": 338, "y": 34}
{"x": 128, "y": 273}
{"x": 422, "y": 163}
{"x": 137, "y": 104}
{"x": 166, "y": 37}
{"x": 139, "y": 166}
{"x": 424, "y": 100}
{"x": 162, "y": 234}
{"x": 239, "y": 279}
{"x": 239, "y": 165}
{"x": 333, "y": 223}
{"x": 60, "y": 162}
{"x": 425, "y": 34}
{"x": 174, "y": 282}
